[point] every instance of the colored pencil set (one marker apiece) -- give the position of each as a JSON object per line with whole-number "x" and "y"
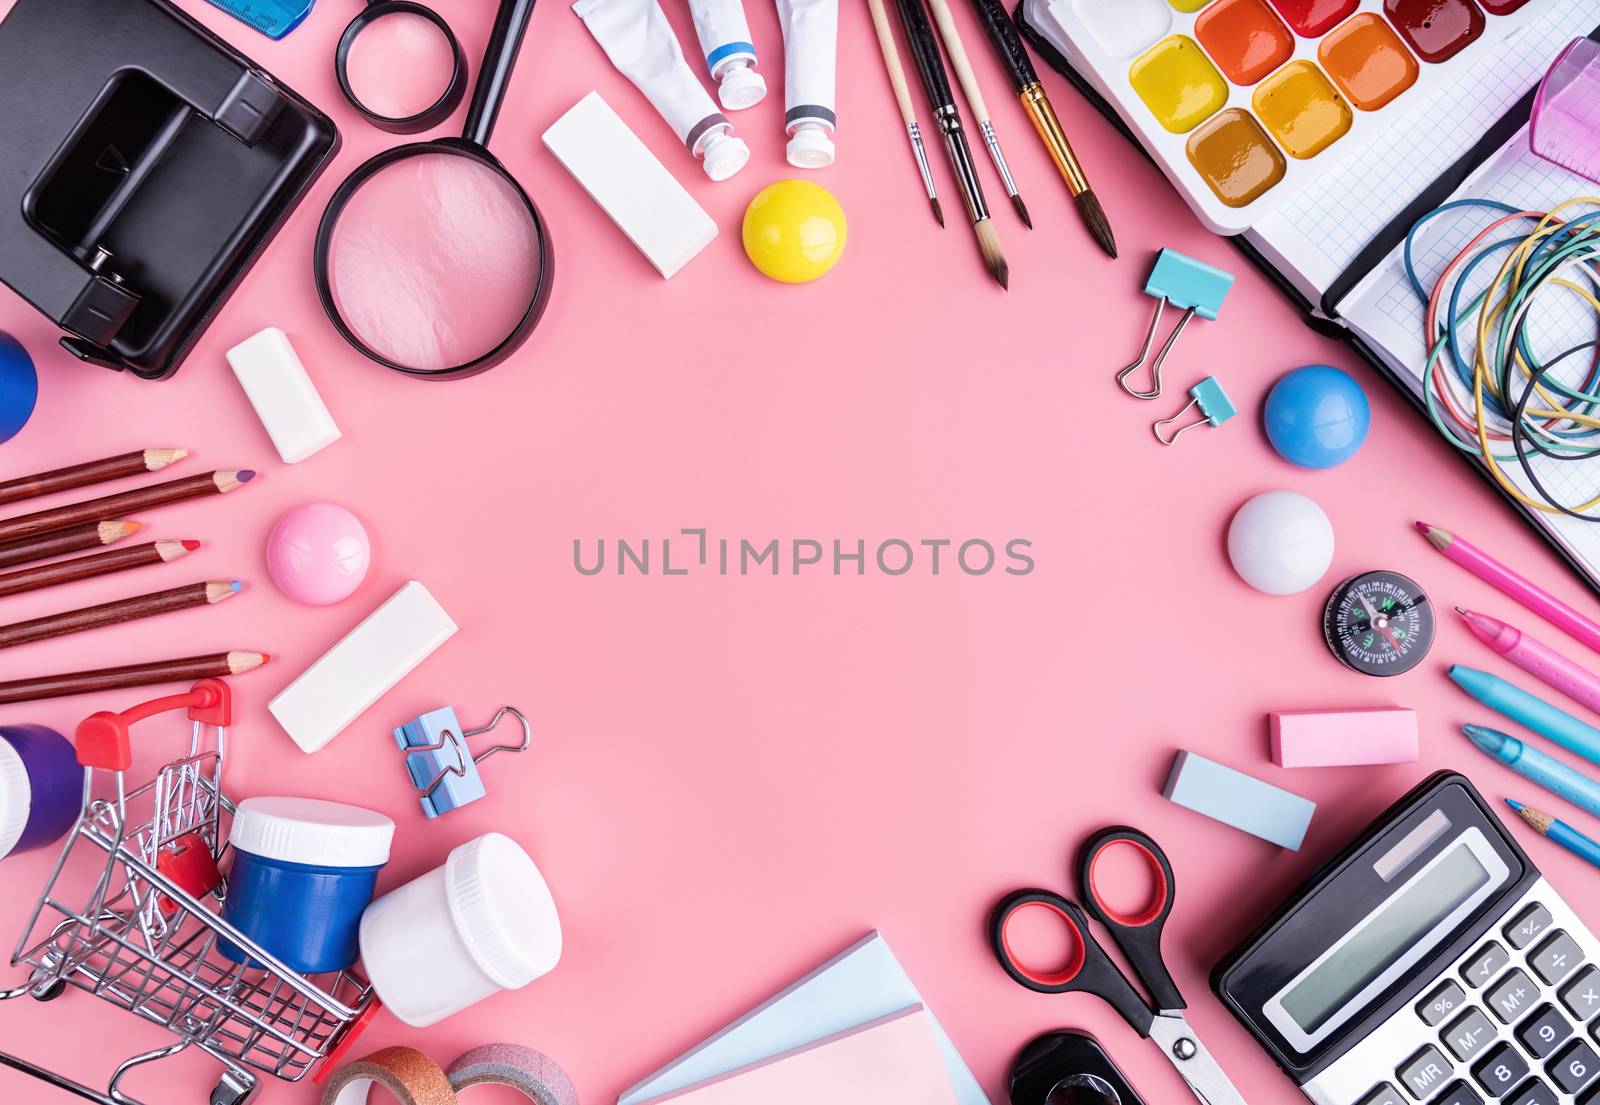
{"x": 30, "y": 544}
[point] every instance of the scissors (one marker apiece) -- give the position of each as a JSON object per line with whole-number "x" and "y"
{"x": 1091, "y": 971}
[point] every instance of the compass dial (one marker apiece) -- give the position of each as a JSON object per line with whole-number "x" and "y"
{"x": 1379, "y": 623}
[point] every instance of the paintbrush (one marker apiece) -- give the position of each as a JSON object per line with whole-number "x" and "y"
{"x": 1008, "y": 45}
{"x": 902, "y": 97}
{"x": 969, "y": 88}
{"x": 930, "y": 67}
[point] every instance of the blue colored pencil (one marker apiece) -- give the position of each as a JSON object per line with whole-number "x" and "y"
{"x": 1537, "y": 767}
{"x": 1530, "y": 711}
{"x": 1559, "y": 831}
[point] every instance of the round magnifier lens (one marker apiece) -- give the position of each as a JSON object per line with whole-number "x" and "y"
{"x": 401, "y": 67}
{"x": 434, "y": 261}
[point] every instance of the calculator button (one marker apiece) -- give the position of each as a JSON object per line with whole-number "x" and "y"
{"x": 1468, "y": 1034}
{"x": 1533, "y": 1093}
{"x": 1500, "y": 1069}
{"x": 1574, "y": 1068}
{"x": 1530, "y": 924}
{"x": 1514, "y": 995}
{"x": 1424, "y": 1072}
{"x": 1556, "y": 958}
{"x": 1581, "y": 996}
{"x": 1543, "y": 1032}
{"x": 1487, "y": 962}
{"x": 1458, "y": 1094}
{"x": 1383, "y": 1095}
{"x": 1441, "y": 1003}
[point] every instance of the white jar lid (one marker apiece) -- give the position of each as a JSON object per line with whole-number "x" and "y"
{"x": 16, "y": 797}
{"x": 311, "y": 831}
{"x": 503, "y": 910}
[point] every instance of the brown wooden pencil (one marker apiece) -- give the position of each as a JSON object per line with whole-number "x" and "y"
{"x": 91, "y": 472}
{"x": 91, "y": 535}
{"x": 114, "y": 613}
{"x": 142, "y": 498}
{"x": 184, "y": 670}
{"x": 38, "y": 576}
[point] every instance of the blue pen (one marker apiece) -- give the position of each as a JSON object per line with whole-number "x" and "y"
{"x": 1538, "y": 767}
{"x": 1530, "y": 711}
{"x": 1559, "y": 831}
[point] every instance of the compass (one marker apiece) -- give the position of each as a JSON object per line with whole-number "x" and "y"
{"x": 1378, "y": 623}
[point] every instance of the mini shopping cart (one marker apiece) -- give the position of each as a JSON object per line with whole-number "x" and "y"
{"x": 130, "y": 914}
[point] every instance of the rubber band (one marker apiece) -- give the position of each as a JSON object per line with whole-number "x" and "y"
{"x": 1483, "y": 386}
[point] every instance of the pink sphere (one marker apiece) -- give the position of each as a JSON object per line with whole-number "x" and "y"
{"x": 318, "y": 553}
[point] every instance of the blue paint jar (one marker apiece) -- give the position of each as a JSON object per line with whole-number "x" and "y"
{"x": 19, "y": 387}
{"x": 303, "y": 872}
{"x": 41, "y": 787}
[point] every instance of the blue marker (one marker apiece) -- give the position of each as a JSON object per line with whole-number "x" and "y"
{"x": 1530, "y": 711}
{"x": 1537, "y": 767}
{"x": 273, "y": 18}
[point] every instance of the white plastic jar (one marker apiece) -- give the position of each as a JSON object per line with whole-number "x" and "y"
{"x": 481, "y": 923}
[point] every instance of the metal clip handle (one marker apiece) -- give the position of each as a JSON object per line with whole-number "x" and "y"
{"x": 1154, "y": 391}
{"x": 459, "y": 743}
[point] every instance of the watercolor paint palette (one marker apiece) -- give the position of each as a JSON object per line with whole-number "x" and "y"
{"x": 1239, "y": 100}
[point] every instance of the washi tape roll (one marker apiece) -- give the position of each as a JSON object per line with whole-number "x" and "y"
{"x": 41, "y": 787}
{"x": 521, "y": 1068}
{"x": 405, "y": 1072}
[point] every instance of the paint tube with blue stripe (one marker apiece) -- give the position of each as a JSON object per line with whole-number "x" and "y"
{"x": 639, "y": 41}
{"x": 730, "y": 55}
{"x": 810, "y": 48}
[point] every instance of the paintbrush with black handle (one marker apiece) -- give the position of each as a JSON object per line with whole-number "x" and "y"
{"x": 1008, "y": 45}
{"x": 930, "y": 67}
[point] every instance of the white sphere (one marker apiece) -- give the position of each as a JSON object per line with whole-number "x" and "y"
{"x": 1280, "y": 542}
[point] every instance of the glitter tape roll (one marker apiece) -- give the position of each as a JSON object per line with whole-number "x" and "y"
{"x": 513, "y": 1065}
{"x": 409, "y": 1075}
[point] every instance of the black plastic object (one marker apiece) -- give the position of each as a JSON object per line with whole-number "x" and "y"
{"x": 423, "y": 120}
{"x": 500, "y": 58}
{"x": 147, "y": 164}
{"x": 1069, "y": 1068}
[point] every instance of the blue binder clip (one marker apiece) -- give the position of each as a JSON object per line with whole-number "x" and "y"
{"x": 1215, "y": 409}
{"x": 1183, "y": 282}
{"x": 439, "y": 762}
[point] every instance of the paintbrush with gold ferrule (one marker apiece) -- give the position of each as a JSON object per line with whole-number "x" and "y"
{"x": 1008, "y": 46}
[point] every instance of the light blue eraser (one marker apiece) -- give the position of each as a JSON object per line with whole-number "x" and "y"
{"x": 1240, "y": 800}
{"x": 1185, "y": 282}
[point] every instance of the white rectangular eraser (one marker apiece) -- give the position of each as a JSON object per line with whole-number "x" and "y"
{"x": 1240, "y": 800}
{"x": 621, "y": 174}
{"x": 283, "y": 395}
{"x": 362, "y": 667}
{"x": 1344, "y": 738}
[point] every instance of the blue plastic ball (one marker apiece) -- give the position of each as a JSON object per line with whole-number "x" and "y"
{"x": 1317, "y": 416}
{"x": 19, "y": 386}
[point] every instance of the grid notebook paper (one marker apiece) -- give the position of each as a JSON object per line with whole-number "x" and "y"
{"x": 1385, "y": 312}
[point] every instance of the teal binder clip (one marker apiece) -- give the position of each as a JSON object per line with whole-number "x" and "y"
{"x": 1215, "y": 409}
{"x": 441, "y": 765}
{"x": 273, "y": 18}
{"x": 1196, "y": 287}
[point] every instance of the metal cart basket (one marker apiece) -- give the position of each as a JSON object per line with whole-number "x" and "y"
{"x": 129, "y": 914}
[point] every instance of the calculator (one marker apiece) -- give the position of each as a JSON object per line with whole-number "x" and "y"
{"x": 1429, "y": 962}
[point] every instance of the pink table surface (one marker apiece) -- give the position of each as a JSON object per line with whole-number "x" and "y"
{"x": 735, "y": 777}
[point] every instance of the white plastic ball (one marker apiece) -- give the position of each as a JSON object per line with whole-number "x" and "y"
{"x": 1280, "y": 542}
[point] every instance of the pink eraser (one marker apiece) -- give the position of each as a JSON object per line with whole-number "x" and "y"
{"x": 1344, "y": 738}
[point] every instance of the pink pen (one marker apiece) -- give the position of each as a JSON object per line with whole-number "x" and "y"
{"x": 1509, "y": 583}
{"x": 1536, "y": 658}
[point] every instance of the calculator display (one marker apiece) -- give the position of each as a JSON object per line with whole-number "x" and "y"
{"x": 1370, "y": 950}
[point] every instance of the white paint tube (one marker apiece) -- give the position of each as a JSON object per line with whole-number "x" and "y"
{"x": 639, "y": 41}
{"x": 810, "y": 50}
{"x": 724, "y": 35}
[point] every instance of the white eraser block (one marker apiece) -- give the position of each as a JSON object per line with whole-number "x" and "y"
{"x": 1344, "y": 738}
{"x": 361, "y": 668}
{"x": 1240, "y": 800}
{"x": 621, "y": 174}
{"x": 283, "y": 395}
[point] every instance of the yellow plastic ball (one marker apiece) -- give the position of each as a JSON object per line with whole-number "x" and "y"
{"x": 794, "y": 231}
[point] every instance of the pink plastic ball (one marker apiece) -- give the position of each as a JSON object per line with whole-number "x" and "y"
{"x": 318, "y": 553}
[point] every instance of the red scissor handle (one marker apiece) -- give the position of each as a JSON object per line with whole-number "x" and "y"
{"x": 102, "y": 738}
{"x": 1137, "y": 934}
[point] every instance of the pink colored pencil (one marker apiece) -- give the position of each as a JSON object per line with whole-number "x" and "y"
{"x": 1536, "y": 658}
{"x": 1509, "y": 583}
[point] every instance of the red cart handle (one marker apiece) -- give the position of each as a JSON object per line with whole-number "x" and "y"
{"x": 102, "y": 738}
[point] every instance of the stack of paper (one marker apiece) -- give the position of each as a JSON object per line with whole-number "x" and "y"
{"x": 858, "y": 991}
